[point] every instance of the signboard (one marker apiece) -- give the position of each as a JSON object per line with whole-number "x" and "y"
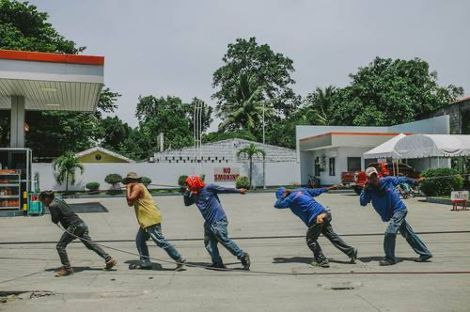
{"x": 459, "y": 196}
{"x": 226, "y": 174}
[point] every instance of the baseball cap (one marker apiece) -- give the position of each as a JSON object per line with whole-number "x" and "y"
{"x": 370, "y": 171}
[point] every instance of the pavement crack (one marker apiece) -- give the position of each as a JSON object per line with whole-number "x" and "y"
{"x": 369, "y": 303}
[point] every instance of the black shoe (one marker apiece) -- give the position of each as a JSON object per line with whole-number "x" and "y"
{"x": 424, "y": 258}
{"x": 180, "y": 264}
{"x": 133, "y": 266}
{"x": 217, "y": 266}
{"x": 245, "y": 259}
{"x": 322, "y": 263}
{"x": 386, "y": 262}
{"x": 353, "y": 257}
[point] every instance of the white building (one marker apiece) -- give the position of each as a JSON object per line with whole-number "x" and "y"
{"x": 327, "y": 151}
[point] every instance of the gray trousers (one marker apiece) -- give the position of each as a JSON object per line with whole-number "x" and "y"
{"x": 80, "y": 230}
{"x": 326, "y": 229}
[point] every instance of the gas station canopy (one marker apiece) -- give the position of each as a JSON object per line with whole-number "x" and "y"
{"x": 47, "y": 81}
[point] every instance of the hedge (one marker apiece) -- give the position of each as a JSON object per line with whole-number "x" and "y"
{"x": 441, "y": 181}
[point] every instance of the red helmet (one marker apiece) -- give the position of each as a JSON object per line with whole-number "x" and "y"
{"x": 195, "y": 183}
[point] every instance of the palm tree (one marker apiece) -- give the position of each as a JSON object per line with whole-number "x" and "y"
{"x": 250, "y": 151}
{"x": 65, "y": 167}
{"x": 320, "y": 102}
{"x": 246, "y": 110}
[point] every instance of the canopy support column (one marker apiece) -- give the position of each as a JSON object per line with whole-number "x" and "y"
{"x": 17, "y": 121}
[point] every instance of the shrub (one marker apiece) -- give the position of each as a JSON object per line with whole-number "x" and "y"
{"x": 146, "y": 181}
{"x": 92, "y": 186}
{"x": 113, "y": 179}
{"x": 242, "y": 182}
{"x": 182, "y": 180}
{"x": 441, "y": 181}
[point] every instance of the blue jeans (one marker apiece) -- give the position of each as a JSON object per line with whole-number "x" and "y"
{"x": 398, "y": 223}
{"x": 154, "y": 232}
{"x": 217, "y": 233}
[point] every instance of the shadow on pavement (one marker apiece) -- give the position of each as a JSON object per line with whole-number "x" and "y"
{"x": 377, "y": 259}
{"x": 155, "y": 266}
{"x": 77, "y": 269}
{"x": 307, "y": 260}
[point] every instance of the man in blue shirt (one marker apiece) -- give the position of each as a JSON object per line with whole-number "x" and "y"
{"x": 317, "y": 218}
{"x": 215, "y": 226}
{"x": 385, "y": 199}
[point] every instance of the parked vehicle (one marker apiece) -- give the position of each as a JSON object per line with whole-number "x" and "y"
{"x": 357, "y": 180}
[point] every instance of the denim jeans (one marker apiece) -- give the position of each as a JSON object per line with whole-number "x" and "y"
{"x": 217, "y": 233}
{"x": 154, "y": 232}
{"x": 326, "y": 229}
{"x": 81, "y": 230}
{"x": 398, "y": 223}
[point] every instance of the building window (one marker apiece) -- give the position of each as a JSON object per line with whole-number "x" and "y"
{"x": 367, "y": 162}
{"x": 354, "y": 163}
{"x": 332, "y": 166}
{"x": 316, "y": 167}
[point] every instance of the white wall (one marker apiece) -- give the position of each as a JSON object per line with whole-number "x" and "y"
{"x": 279, "y": 173}
{"x": 341, "y": 162}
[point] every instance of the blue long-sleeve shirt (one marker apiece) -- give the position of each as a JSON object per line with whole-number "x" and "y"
{"x": 208, "y": 202}
{"x": 385, "y": 199}
{"x": 302, "y": 203}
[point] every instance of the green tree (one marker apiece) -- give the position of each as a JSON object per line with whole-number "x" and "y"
{"x": 388, "y": 92}
{"x": 318, "y": 106}
{"x": 225, "y": 135}
{"x": 249, "y": 152}
{"x": 253, "y": 73}
{"x": 65, "y": 167}
{"x": 247, "y": 112}
{"x": 171, "y": 117}
{"x": 23, "y": 27}
{"x": 112, "y": 133}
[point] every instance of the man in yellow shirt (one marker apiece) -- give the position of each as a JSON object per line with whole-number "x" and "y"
{"x": 150, "y": 219}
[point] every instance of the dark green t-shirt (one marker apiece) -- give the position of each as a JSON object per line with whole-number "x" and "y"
{"x": 61, "y": 212}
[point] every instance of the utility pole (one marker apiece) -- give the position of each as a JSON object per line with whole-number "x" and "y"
{"x": 197, "y": 131}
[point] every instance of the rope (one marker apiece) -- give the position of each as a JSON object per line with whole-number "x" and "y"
{"x": 136, "y": 254}
{"x": 259, "y": 272}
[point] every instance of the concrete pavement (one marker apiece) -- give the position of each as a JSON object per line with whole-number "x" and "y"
{"x": 274, "y": 239}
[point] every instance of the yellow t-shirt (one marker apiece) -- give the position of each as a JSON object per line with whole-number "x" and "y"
{"x": 146, "y": 210}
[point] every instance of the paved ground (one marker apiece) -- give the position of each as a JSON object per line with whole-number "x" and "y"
{"x": 274, "y": 238}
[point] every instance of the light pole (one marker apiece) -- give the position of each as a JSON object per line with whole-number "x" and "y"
{"x": 197, "y": 129}
{"x": 264, "y": 142}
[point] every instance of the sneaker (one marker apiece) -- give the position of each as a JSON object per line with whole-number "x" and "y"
{"x": 353, "y": 257}
{"x": 386, "y": 262}
{"x": 217, "y": 266}
{"x": 245, "y": 259}
{"x": 322, "y": 263}
{"x": 110, "y": 264}
{"x": 133, "y": 266}
{"x": 180, "y": 264}
{"x": 63, "y": 271}
{"x": 424, "y": 258}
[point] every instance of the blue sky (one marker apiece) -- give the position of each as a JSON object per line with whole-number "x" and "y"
{"x": 156, "y": 47}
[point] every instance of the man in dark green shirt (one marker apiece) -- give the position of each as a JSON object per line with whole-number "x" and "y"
{"x": 63, "y": 214}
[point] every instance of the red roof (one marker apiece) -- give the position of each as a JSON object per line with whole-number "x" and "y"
{"x": 51, "y": 57}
